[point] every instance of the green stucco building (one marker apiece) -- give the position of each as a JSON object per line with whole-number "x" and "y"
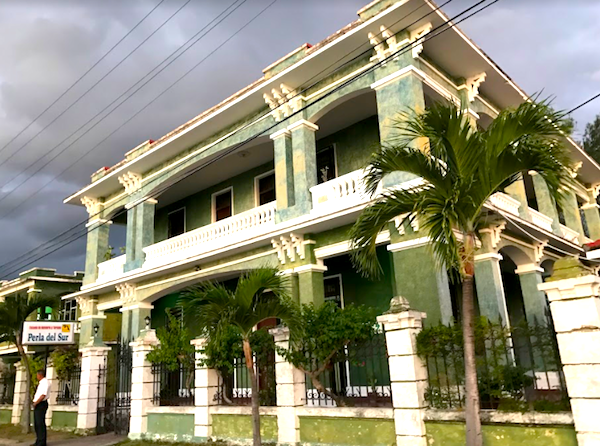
{"x": 273, "y": 176}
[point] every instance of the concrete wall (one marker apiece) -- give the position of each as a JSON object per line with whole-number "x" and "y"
{"x": 347, "y": 431}
{"x": 64, "y": 420}
{"x": 5, "y": 415}
{"x": 171, "y": 426}
{"x": 239, "y": 427}
{"x": 453, "y": 434}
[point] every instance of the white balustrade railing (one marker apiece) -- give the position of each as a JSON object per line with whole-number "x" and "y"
{"x": 342, "y": 192}
{"x": 111, "y": 269}
{"x": 541, "y": 220}
{"x": 569, "y": 234}
{"x": 505, "y": 203}
{"x": 225, "y": 232}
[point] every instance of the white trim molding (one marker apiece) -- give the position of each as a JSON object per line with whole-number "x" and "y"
{"x": 529, "y": 268}
{"x": 335, "y": 249}
{"x": 409, "y": 244}
{"x": 488, "y": 256}
{"x": 303, "y": 123}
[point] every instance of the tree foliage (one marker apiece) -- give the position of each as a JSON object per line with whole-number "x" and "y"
{"x": 322, "y": 336}
{"x": 591, "y": 139}
{"x": 65, "y": 360}
{"x": 174, "y": 348}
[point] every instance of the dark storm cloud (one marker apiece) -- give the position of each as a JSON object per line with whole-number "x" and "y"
{"x": 46, "y": 46}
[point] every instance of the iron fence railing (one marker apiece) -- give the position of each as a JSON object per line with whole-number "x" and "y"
{"x": 173, "y": 387}
{"x": 360, "y": 379}
{"x": 68, "y": 388}
{"x": 518, "y": 368}
{"x": 7, "y": 389}
{"x": 236, "y": 388}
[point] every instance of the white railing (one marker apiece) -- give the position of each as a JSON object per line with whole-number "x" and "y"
{"x": 111, "y": 269}
{"x": 505, "y": 203}
{"x": 225, "y": 232}
{"x": 541, "y": 220}
{"x": 343, "y": 191}
{"x": 569, "y": 234}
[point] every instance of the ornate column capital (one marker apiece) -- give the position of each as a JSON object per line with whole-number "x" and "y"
{"x": 131, "y": 181}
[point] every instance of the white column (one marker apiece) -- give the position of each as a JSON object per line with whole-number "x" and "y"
{"x": 20, "y": 395}
{"x": 291, "y": 391}
{"x": 141, "y": 383}
{"x": 207, "y": 383}
{"x": 92, "y": 358}
{"x": 408, "y": 375}
{"x": 575, "y": 307}
{"x": 53, "y": 380}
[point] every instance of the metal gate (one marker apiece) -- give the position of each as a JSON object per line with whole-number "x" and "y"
{"x": 114, "y": 391}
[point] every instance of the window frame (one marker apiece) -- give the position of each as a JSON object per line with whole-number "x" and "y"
{"x": 333, "y": 145}
{"x": 257, "y": 179}
{"x": 341, "y": 282}
{"x": 184, "y": 221}
{"x": 213, "y": 201}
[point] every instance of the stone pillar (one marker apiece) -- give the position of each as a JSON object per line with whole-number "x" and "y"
{"x": 53, "y": 380}
{"x": 142, "y": 383}
{"x": 534, "y": 300}
{"x": 291, "y": 391}
{"x": 571, "y": 213}
{"x": 207, "y": 385}
{"x": 408, "y": 374}
{"x": 310, "y": 284}
{"x": 96, "y": 248}
{"x": 517, "y": 191}
{"x": 92, "y": 359}
{"x": 20, "y": 396}
{"x": 592, "y": 215}
{"x": 91, "y": 320}
{"x": 574, "y": 295}
{"x": 546, "y": 204}
{"x": 398, "y": 92}
{"x": 140, "y": 233}
{"x": 284, "y": 171}
{"x": 134, "y": 313}
{"x": 490, "y": 288}
{"x": 304, "y": 153}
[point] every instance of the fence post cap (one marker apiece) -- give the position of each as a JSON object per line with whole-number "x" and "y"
{"x": 280, "y": 333}
{"x": 405, "y": 319}
{"x": 199, "y": 341}
{"x": 146, "y": 337}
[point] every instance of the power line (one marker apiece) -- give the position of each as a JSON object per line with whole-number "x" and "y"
{"x": 150, "y": 77}
{"x": 583, "y": 103}
{"x": 90, "y": 150}
{"x": 82, "y": 96}
{"x": 81, "y": 77}
{"x": 227, "y": 152}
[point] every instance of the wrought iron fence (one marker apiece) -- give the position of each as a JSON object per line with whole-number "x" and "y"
{"x": 7, "y": 388}
{"x": 68, "y": 388}
{"x": 362, "y": 379}
{"x": 173, "y": 387}
{"x": 518, "y": 368}
{"x": 236, "y": 388}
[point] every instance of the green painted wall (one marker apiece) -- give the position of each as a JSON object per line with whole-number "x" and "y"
{"x": 238, "y": 427}
{"x": 347, "y": 431}
{"x": 198, "y": 210}
{"x": 5, "y": 416}
{"x": 63, "y": 419}
{"x": 170, "y": 426}
{"x": 353, "y": 145}
{"x": 453, "y": 434}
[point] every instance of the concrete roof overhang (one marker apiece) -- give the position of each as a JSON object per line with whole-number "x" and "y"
{"x": 452, "y": 51}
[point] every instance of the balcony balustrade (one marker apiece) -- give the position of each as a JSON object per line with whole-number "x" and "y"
{"x": 228, "y": 231}
{"x": 342, "y": 192}
{"x": 505, "y": 203}
{"x": 111, "y": 269}
{"x": 541, "y": 220}
{"x": 569, "y": 234}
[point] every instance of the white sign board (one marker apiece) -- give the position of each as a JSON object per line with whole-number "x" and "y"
{"x": 48, "y": 333}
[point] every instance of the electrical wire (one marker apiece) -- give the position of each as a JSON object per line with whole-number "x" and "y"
{"x": 81, "y": 77}
{"x": 79, "y": 99}
{"x": 400, "y": 51}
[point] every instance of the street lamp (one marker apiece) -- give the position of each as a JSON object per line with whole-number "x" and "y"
{"x": 96, "y": 328}
{"x": 147, "y": 320}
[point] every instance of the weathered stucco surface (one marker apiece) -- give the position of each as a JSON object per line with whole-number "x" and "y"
{"x": 239, "y": 427}
{"x": 64, "y": 420}
{"x": 173, "y": 427}
{"x": 347, "y": 431}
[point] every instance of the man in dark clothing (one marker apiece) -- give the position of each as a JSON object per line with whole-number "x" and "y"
{"x": 40, "y": 407}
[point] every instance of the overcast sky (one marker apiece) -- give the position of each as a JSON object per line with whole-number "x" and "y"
{"x": 45, "y": 46}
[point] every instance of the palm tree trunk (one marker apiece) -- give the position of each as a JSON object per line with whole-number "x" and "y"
{"x": 473, "y": 422}
{"x": 256, "y": 440}
{"x": 26, "y": 411}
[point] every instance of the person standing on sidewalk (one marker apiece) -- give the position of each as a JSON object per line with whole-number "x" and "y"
{"x": 40, "y": 407}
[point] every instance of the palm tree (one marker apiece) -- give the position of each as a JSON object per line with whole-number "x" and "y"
{"x": 260, "y": 294}
{"x": 14, "y": 311}
{"x": 461, "y": 167}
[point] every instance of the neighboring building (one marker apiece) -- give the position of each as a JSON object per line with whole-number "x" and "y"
{"x": 260, "y": 180}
